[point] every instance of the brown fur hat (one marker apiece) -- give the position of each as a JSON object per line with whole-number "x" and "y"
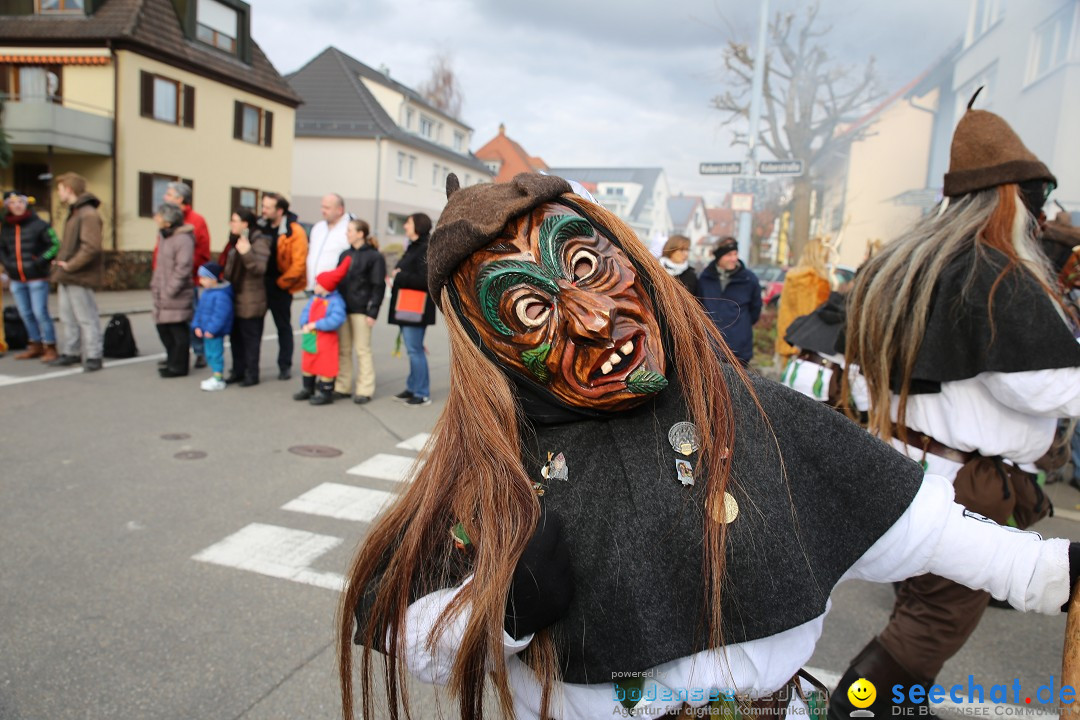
{"x": 986, "y": 152}
{"x": 475, "y": 216}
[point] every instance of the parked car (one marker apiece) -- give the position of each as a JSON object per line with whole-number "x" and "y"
{"x": 771, "y": 278}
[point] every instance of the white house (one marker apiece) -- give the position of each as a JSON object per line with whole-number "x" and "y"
{"x": 639, "y": 196}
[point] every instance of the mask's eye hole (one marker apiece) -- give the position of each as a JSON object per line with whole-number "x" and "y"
{"x": 583, "y": 264}
{"x": 532, "y": 311}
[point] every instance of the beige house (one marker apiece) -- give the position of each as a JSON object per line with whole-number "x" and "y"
{"x": 135, "y": 93}
{"x": 375, "y": 142}
{"x": 879, "y": 186}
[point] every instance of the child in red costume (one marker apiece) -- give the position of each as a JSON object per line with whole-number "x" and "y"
{"x": 320, "y": 320}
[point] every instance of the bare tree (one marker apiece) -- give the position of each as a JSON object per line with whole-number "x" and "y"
{"x": 442, "y": 89}
{"x": 807, "y": 97}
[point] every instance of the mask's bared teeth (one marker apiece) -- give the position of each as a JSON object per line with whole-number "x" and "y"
{"x": 614, "y": 359}
{"x": 605, "y": 368}
{"x": 627, "y": 348}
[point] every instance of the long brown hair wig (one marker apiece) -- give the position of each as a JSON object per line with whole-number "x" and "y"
{"x": 889, "y": 305}
{"x": 473, "y": 474}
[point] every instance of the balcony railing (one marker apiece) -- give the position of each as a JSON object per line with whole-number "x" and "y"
{"x": 38, "y": 122}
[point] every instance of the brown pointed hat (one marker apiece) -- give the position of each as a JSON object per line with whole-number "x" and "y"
{"x": 986, "y": 152}
{"x": 475, "y": 216}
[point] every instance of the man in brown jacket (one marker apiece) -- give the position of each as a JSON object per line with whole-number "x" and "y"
{"x": 285, "y": 274}
{"x": 78, "y": 270}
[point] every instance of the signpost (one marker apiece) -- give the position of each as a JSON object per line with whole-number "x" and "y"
{"x": 792, "y": 168}
{"x": 720, "y": 168}
{"x": 742, "y": 202}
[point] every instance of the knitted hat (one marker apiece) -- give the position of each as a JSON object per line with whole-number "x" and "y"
{"x": 211, "y": 270}
{"x": 475, "y": 216}
{"x": 986, "y": 152}
{"x": 18, "y": 194}
{"x": 330, "y": 279}
{"x": 726, "y": 245}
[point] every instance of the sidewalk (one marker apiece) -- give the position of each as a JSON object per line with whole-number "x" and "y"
{"x": 130, "y": 302}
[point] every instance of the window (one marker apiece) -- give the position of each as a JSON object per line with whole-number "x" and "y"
{"x": 396, "y": 223}
{"x": 1050, "y": 44}
{"x": 468, "y": 180}
{"x": 253, "y": 124}
{"x": 987, "y": 80}
{"x": 32, "y": 83}
{"x": 459, "y": 141}
{"x": 60, "y": 6}
{"x": 493, "y": 166}
{"x": 427, "y": 127}
{"x": 152, "y": 190}
{"x": 406, "y": 167}
{"x": 247, "y": 198}
{"x": 984, "y": 14}
{"x": 408, "y": 118}
{"x": 435, "y": 176}
{"x": 167, "y": 100}
{"x": 216, "y": 25}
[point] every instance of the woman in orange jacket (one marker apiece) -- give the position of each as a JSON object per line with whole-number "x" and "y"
{"x": 806, "y": 286}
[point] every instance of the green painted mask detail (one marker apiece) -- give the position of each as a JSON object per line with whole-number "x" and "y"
{"x": 554, "y": 232}
{"x": 534, "y": 360}
{"x": 645, "y": 382}
{"x": 498, "y": 277}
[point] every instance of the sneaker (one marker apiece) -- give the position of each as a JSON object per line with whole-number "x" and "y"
{"x": 285, "y": 374}
{"x": 66, "y": 361}
{"x": 361, "y": 399}
{"x": 403, "y": 396}
{"x": 417, "y": 401}
{"x": 213, "y": 384}
{"x": 92, "y": 365}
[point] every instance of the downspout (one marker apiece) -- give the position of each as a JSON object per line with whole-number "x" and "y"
{"x": 115, "y": 134}
{"x": 378, "y": 182}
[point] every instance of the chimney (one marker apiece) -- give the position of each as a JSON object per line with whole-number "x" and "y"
{"x": 502, "y": 129}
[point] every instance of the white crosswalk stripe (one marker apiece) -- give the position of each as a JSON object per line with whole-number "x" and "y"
{"x": 384, "y": 467}
{"x": 278, "y": 552}
{"x": 344, "y": 502}
{"x": 415, "y": 443}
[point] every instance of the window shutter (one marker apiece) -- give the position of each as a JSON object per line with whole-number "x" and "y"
{"x": 268, "y": 128}
{"x": 234, "y": 200}
{"x": 191, "y": 184}
{"x": 238, "y": 120}
{"x": 147, "y": 94}
{"x": 189, "y": 106}
{"x": 146, "y": 195}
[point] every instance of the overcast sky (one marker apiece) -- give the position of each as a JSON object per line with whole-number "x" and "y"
{"x": 603, "y": 83}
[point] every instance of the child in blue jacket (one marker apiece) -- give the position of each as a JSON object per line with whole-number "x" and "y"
{"x": 213, "y": 321}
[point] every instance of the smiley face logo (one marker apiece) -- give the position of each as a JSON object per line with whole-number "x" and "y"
{"x": 862, "y": 693}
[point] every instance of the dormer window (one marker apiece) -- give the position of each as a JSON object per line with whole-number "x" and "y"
{"x": 427, "y": 127}
{"x": 216, "y": 24}
{"x": 60, "y": 6}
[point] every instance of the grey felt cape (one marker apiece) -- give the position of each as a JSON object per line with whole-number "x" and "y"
{"x": 636, "y": 533}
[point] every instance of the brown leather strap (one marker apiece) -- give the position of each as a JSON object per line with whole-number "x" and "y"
{"x": 929, "y": 445}
{"x": 813, "y": 357}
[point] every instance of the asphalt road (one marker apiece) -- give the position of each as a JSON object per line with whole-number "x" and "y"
{"x": 105, "y": 612}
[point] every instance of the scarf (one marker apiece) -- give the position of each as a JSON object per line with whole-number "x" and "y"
{"x": 674, "y": 269}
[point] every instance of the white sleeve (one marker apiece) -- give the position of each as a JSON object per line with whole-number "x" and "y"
{"x": 1046, "y": 393}
{"x": 432, "y": 662}
{"x": 939, "y": 536}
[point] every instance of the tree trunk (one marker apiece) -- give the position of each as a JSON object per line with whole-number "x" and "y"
{"x": 800, "y": 217}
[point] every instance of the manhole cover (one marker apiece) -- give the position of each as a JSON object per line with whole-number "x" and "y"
{"x": 190, "y": 455}
{"x": 175, "y": 436}
{"x": 316, "y": 451}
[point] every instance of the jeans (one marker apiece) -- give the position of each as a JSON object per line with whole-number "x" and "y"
{"x": 32, "y": 299}
{"x": 82, "y": 324}
{"x": 280, "y": 305}
{"x": 215, "y": 353}
{"x": 418, "y": 383}
{"x": 196, "y": 341}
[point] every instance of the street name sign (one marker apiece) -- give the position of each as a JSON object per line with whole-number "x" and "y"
{"x": 781, "y": 167}
{"x": 720, "y": 168}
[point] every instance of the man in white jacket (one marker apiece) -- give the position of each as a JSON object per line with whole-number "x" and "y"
{"x": 328, "y": 238}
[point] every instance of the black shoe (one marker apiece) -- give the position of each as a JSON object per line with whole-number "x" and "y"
{"x": 233, "y": 379}
{"x": 169, "y": 373}
{"x": 200, "y": 362}
{"x": 341, "y": 395}
{"x": 92, "y": 365}
{"x": 285, "y": 374}
{"x": 417, "y": 401}
{"x": 361, "y": 399}
{"x": 875, "y": 664}
{"x": 324, "y": 394}
{"x": 403, "y": 396}
{"x": 65, "y": 361}
{"x": 307, "y": 390}
{"x": 249, "y": 381}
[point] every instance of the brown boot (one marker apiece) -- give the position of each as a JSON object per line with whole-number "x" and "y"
{"x": 33, "y": 350}
{"x": 49, "y": 353}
